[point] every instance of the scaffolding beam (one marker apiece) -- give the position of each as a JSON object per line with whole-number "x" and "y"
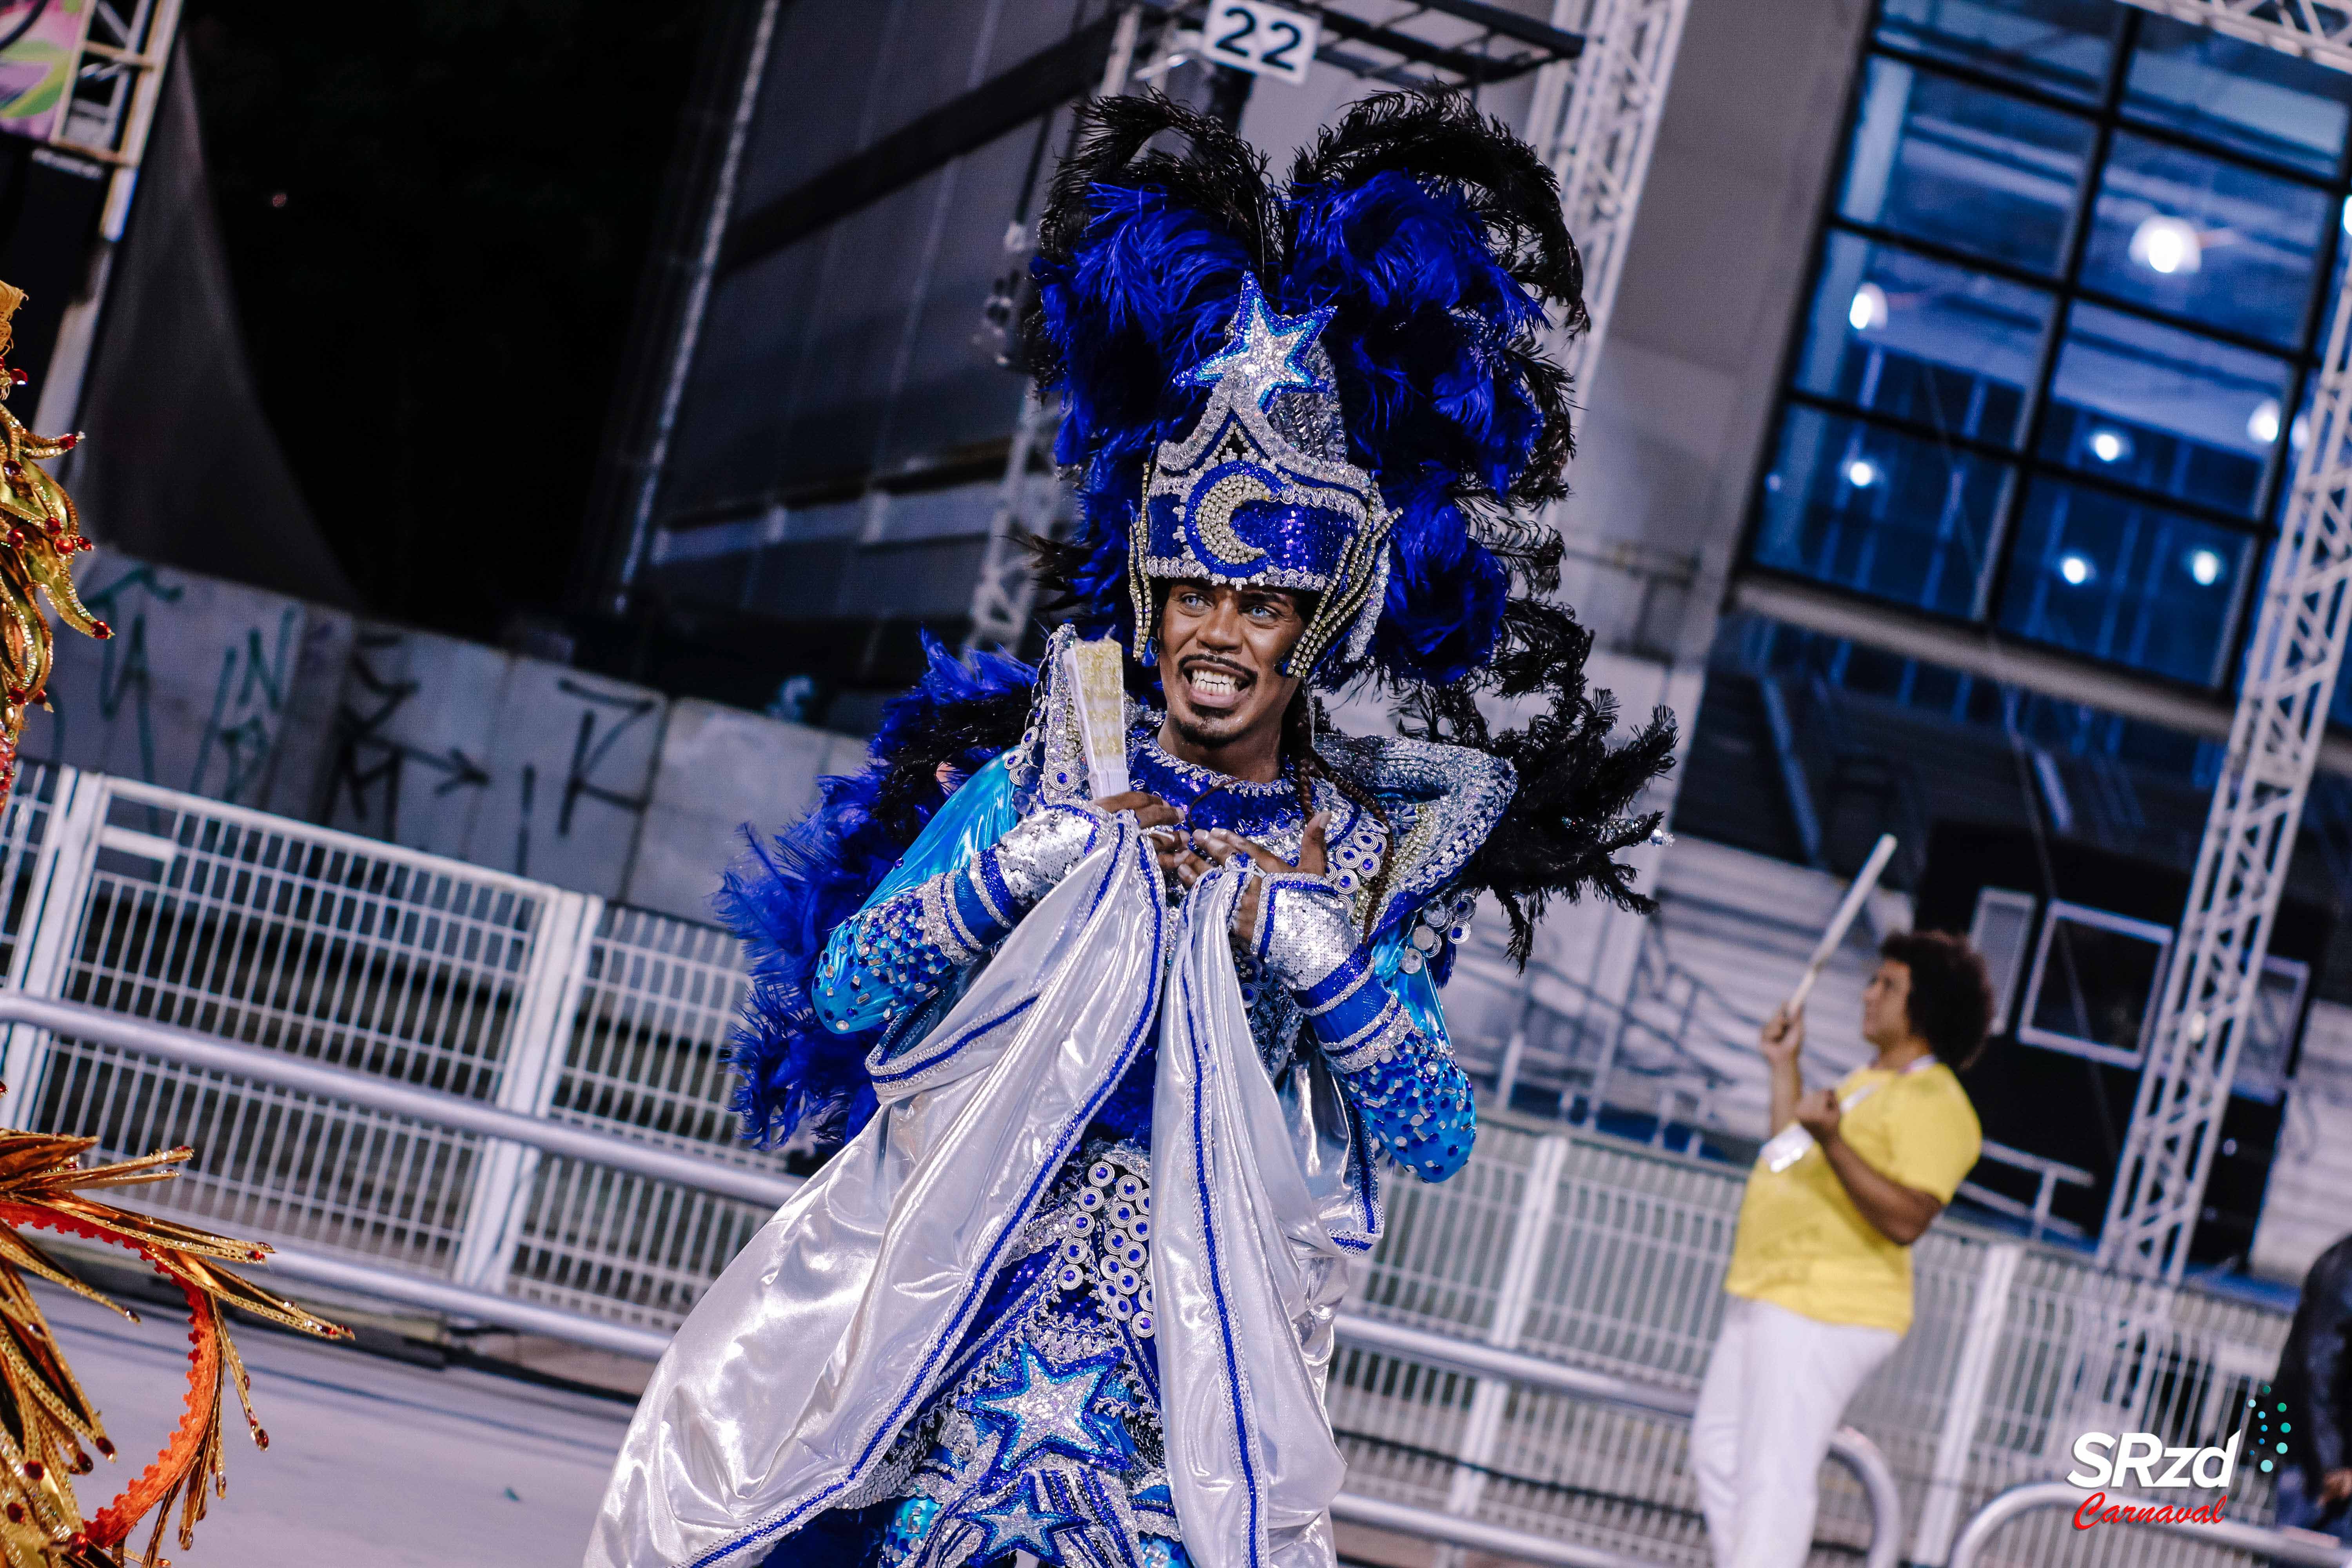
{"x": 2275, "y": 740}
{"x": 105, "y": 116}
{"x": 1594, "y": 119}
{"x": 2320, "y": 33}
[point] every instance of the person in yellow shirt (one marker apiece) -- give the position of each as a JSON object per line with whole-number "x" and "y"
{"x": 1819, "y": 1283}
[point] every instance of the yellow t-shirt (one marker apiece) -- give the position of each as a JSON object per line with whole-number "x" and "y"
{"x": 1802, "y": 1245}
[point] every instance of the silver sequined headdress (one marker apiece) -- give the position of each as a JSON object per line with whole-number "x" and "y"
{"x": 1261, "y": 491}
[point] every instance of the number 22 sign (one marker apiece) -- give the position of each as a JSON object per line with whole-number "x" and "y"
{"x": 1251, "y": 36}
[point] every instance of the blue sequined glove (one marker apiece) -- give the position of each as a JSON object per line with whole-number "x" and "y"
{"x": 1414, "y": 1099}
{"x": 896, "y": 954}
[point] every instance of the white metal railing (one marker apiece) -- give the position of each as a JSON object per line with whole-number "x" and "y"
{"x": 402, "y": 967}
{"x": 2048, "y": 1175}
{"x": 1491, "y": 1366}
{"x": 2279, "y": 1546}
{"x": 542, "y": 1012}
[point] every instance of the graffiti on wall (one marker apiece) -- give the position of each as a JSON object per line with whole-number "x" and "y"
{"x": 490, "y": 757}
{"x": 372, "y": 764}
{"x": 192, "y": 692}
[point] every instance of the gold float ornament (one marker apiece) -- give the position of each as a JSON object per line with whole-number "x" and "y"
{"x": 43, "y": 534}
{"x": 48, "y": 1426}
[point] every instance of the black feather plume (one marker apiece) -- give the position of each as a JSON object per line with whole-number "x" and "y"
{"x": 1568, "y": 820}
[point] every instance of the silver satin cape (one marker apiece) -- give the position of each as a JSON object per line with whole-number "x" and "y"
{"x": 787, "y": 1384}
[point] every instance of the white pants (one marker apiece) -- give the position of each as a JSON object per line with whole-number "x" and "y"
{"x": 1775, "y": 1388}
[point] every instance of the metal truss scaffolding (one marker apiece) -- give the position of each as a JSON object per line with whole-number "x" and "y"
{"x": 1596, "y": 120}
{"x": 2275, "y": 745}
{"x": 103, "y": 119}
{"x": 1594, "y": 116}
{"x": 2321, "y": 33}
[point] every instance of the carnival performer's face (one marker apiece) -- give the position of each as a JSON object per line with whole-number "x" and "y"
{"x": 1886, "y": 1005}
{"x": 1221, "y": 652}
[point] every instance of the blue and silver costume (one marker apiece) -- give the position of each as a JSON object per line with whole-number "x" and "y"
{"x": 1108, "y": 1164}
{"x": 1047, "y": 1431}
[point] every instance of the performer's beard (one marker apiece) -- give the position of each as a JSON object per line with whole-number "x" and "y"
{"x": 1209, "y": 727}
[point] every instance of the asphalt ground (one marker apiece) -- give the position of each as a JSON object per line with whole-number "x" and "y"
{"x": 372, "y": 1462}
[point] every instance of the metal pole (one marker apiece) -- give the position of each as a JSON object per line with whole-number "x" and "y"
{"x": 697, "y": 294}
{"x": 1975, "y": 1538}
{"x": 2276, "y": 738}
{"x": 1971, "y": 1378}
{"x": 1514, "y": 1297}
{"x": 209, "y": 1053}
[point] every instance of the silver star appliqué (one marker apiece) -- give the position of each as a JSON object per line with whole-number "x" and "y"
{"x": 1046, "y": 1408}
{"x": 1015, "y": 1522}
{"x": 1264, "y": 352}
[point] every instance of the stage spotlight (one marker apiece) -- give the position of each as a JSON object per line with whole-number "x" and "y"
{"x": 2166, "y": 245}
{"x": 2075, "y": 569}
{"x": 1869, "y": 308}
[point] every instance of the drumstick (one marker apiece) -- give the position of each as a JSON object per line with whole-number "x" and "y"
{"x": 1843, "y": 921}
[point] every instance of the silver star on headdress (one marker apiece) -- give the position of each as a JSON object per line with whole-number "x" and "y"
{"x": 1265, "y": 352}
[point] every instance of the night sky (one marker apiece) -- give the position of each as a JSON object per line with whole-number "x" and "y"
{"x": 436, "y": 214}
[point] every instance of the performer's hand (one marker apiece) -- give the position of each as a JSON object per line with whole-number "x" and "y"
{"x": 2335, "y": 1487}
{"x": 1783, "y": 1036}
{"x": 1150, "y": 811}
{"x": 1218, "y": 845}
{"x": 1818, "y": 1114}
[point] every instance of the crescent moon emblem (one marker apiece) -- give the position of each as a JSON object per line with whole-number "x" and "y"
{"x": 1212, "y": 518}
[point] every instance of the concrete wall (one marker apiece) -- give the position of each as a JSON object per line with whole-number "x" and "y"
{"x": 206, "y": 686}
{"x": 1678, "y": 410}
{"x": 246, "y": 696}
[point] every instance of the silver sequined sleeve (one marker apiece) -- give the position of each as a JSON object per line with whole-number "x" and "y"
{"x": 897, "y": 952}
{"x": 1410, "y": 1091}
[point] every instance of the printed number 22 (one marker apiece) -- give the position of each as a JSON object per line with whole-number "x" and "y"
{"x": 1234, "y": 43}
{"x": 1252, "y": 37}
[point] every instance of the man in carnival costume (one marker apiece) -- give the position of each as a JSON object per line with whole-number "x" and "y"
{"x": 1117, "y": 1068}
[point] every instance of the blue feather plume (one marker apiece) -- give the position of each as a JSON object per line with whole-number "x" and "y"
{"x": 1435, "y": 239}
{"x": 783, "y": 895}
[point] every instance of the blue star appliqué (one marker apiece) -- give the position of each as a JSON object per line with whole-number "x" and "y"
{"x": 1266, "y": 352}
{"x": 1015, "y": 1522}
{"x": 1040, "y": 1407}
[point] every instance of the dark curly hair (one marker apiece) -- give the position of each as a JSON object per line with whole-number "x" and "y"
{"x": 1950, "y": 1004}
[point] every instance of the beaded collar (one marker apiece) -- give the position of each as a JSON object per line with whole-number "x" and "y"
{"x": 1266, "y": 813}
{"x": 1194, "y": 779}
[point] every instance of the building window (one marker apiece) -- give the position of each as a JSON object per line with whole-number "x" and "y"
{"x": 2094, "y": 985}
{"x": 2070, "y": 298}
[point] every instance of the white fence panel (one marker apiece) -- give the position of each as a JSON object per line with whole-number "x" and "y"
{"x": 282, "y": 937}
{"x": 644, "y": 1054}
{"x": 1598, "y": 1253}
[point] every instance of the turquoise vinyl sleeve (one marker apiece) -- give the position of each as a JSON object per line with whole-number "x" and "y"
{"x": 881, "y": 962}
{"x": 1414, "y": 990}
{"x": 975, "y": 816}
